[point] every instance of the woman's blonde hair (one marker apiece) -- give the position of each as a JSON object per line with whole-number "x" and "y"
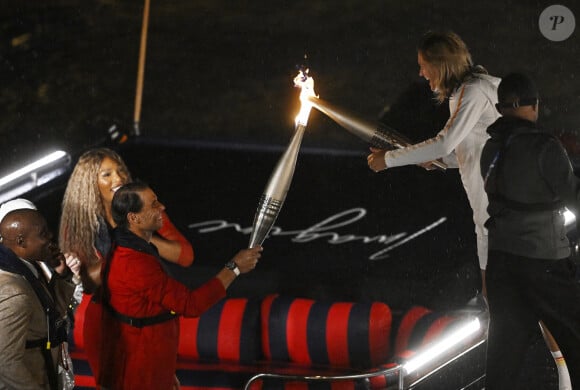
{"x": 447, "y": 52}
{"x": 82, "y": 207}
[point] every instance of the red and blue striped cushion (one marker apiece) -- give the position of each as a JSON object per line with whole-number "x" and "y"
{"x": 418, "y": 327}
{"x": 340, "y": 334}
{"x": 229, "y": 331}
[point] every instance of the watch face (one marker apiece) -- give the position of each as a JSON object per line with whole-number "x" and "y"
{"x": 231, "y": 265}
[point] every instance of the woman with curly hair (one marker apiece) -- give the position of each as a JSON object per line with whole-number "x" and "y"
{"x": 85, "y": 226}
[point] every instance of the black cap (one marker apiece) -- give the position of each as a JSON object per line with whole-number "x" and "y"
{"x": 516, "y": 90}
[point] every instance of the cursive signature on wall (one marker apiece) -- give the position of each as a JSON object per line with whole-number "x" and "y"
{"x": 326, "y": 230}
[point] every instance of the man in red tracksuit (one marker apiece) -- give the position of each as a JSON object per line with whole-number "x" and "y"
{"x": 142, "y": 302}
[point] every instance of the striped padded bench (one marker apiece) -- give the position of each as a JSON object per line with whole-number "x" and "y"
{"x": 239, "y": 337}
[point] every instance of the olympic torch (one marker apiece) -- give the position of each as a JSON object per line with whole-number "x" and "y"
{"x": 274, "y": 194}
{"x": 380, "y": 136}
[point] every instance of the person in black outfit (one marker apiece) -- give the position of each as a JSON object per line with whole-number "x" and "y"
{"x": 530, "y": 275}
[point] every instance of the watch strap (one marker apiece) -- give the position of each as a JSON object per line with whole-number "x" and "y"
{"x": 232, "y": 266}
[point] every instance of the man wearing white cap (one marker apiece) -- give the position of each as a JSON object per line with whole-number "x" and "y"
{"x": 72, "y": 262}
{"x": 33, "y": 302}
{"x": 15, "y": 204}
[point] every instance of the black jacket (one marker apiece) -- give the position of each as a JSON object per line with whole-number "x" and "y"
{"x": 529, "y": 182}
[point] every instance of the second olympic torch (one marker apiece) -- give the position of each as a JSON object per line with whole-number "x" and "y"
{"x": 278, "y": 185}
{"x": 380, "y": 136}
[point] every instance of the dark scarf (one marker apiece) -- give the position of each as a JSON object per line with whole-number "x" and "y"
{"x": 128, "y": 239}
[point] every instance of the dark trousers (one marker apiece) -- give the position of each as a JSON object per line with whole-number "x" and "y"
{"x": 521, "y": 291}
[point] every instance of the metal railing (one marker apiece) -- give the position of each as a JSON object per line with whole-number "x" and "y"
{"x": 407, "y": 372}
{"x": 388, "y": 372}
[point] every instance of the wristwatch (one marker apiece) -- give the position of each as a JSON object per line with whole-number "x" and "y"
{"x": 232, "y": 266}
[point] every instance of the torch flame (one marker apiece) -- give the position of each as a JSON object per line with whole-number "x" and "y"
{"x": 306, "y": 84}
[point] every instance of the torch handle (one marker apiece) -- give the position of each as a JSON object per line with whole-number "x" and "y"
{"x": 274, "y": 194}
{"x": 385, "y": 136}
{"x": 380, "y": 136}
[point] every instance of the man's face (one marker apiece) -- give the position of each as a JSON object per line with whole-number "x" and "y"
{"x": 150, "y": 218}
{"x": 37, "y": 241}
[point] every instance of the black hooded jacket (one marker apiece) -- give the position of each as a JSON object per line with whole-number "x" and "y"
{"x": 529, "y": 179}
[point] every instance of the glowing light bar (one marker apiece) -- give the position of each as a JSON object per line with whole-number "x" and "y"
{"x": 440, "y": 347}
{"x": 569, "y": 217}
{"x": 33, "y": 175}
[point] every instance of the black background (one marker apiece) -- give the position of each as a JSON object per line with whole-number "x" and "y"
{"x": 438, "y": 268}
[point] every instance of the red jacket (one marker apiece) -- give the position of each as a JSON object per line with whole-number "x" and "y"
{"x": 137, "y": 286}
{"x": 92, "y": 329}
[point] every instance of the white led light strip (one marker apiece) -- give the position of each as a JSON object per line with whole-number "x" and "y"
{"x": 442, "y": 346}
{"x": 32, "y": 167}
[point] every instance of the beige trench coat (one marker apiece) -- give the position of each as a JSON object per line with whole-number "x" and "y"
{"x": 22, "y": 319}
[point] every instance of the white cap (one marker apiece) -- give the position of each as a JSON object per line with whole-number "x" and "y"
{"x": 15, "y": 204}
